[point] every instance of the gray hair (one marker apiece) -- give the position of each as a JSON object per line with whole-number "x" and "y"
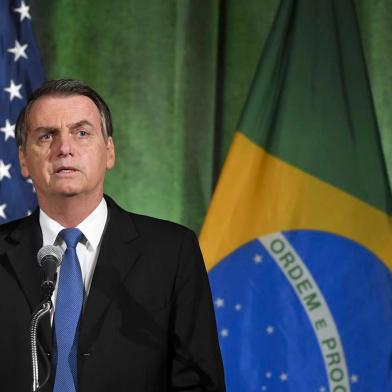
{"x": 63, "y": 88}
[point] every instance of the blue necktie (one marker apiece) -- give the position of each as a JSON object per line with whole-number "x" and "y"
{"x": 69, "y": 304}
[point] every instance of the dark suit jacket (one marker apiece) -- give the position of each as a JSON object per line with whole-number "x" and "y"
{"x": 148, "y": 323}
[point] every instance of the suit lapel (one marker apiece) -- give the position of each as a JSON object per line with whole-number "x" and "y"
{"x": 117, "y": 256}
{"x": 21, "y": 247}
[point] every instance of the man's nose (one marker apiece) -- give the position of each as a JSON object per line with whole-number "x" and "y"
{"x": 65, "y": 145}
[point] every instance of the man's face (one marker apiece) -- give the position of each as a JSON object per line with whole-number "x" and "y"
{"x": 66, "y": 153}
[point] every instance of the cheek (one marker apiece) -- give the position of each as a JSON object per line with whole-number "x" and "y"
{"x": 36, "y": 167}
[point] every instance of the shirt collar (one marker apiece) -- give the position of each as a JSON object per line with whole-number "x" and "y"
{"x": 92, "y": 227}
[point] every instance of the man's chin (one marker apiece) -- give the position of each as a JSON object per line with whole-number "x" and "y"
{"x": 68, "y": 192}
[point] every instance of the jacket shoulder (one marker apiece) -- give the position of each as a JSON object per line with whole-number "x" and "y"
{"x": 9, "y": 227}
{"x": 148, "y": 222}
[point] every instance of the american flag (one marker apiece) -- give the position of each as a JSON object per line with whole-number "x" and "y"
{"x": 20, "y": 74}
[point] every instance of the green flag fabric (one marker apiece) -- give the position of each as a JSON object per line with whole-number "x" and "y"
{"x": 176, "y": 75}
{"x": 298, "y": 233}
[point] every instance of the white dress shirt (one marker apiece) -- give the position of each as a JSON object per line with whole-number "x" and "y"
{"x": 87, "y": 249}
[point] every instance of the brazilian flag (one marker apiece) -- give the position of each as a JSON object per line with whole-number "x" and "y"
{"x": 298, "y": 236}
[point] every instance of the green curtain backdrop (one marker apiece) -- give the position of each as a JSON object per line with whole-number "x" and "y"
{"x": 176, "y": 75}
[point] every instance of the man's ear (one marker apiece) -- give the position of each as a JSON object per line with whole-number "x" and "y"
{"x": 111, "y": 153}
{"x": 22, "y": 162}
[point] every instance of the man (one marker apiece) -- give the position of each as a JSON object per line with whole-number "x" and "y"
{"x": 144, "y": 319}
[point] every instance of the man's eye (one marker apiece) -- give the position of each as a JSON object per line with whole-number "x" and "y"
{"x": 82, "y": 133}
{"x": 46, "y": 136}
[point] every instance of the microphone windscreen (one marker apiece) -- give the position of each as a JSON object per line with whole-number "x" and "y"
{"x": 50, "y": 250}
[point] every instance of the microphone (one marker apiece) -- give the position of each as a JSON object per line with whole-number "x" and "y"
{"x": 49, "y": 258}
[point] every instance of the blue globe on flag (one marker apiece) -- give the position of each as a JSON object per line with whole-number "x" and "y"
{"x": 304, "y": 311}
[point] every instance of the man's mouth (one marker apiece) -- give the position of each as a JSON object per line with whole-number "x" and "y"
{"x": 66, "y": 170}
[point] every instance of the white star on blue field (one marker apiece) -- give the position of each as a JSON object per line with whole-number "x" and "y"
{"x": 20, "y": 74}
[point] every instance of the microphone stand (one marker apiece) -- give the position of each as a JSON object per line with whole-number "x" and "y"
{"x": 43, "y": 308}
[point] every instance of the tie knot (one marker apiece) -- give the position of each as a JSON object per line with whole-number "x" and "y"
{"x": 71, "y": 236}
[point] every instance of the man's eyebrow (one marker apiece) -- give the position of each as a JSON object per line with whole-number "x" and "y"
{"x": 70, "y": 126}
{"x": 45, "y": 129}
{"x": 80, "y": 124}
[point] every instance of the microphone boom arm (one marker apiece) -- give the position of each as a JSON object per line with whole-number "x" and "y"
{"x": 43, "y": 308}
